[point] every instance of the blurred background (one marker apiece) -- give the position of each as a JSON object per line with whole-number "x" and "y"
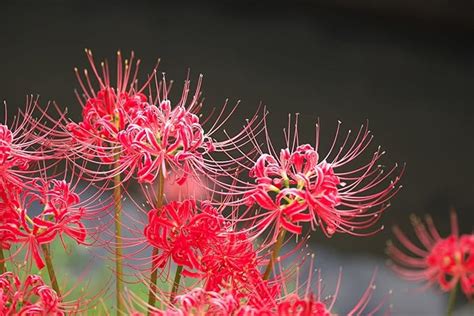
{"x": 406, "y": 66}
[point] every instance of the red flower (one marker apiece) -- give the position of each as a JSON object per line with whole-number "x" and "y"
{"x": 445, "y": 261}
{"x": 199, "y": 302}
{"x": 298, "y": 186}
{"x": 181, "y": 231}
{"x": 25, "y": 144}
{"x": 209, "y": 248}
{"x": 230, "y": 261}
{"x": 106, "y": 111}
{"x": 32, "y": 297}
{"x": 161, "y": 137}
{"x": 104, "y": 116}
{"x": 60, "y": 214}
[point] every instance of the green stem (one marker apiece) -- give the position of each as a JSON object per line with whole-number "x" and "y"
{"x": 118, "y": 240}
{"x": 3, "y": 268}
{"x": 177, "y": 279}
{"x": 452, "y": 300}
{"x": 49, "y": 265}
{"x": 154, "y": 268}
{"x": 275, "y": 253}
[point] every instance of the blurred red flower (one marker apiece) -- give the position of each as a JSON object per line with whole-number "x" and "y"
{"x": 445, "y": 261}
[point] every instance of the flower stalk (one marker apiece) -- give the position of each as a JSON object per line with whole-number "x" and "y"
{"x": 3, "y": 268}
{"x": 118, "y": 240}
{"x": 177, "y": 279}
{"x": 154, "y": 273}
{"x": 275, "y": 253}
{"x": 452, "y": 300}
{"x": 49, "y": 266}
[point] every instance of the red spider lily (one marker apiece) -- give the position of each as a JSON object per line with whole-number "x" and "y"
{"x": 108, "y": 110}
{"x": 61, "y": 214}
{"x": 214, "y": 254}
{"x": 297, "y": 186}
{"x": 231, "y": 261}
{"x": 104, "y": 116}
{"x": 9, "y": 160}
{"x": 199, "y": 302}
{"x": 445, "y": 261}
{"x": 181, "y": 232}
{"x": 161, "y": 137}
{"x": 32, "y": 297}
{"x": 26, "y": 144}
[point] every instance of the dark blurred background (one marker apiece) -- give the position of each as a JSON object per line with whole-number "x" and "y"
{"x": 406, "y": 66}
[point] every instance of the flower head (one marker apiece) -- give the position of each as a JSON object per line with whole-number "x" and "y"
{"x": 444, "y": 261}
{"x": 230, "y": 261}
{"x": 181, "y": 230}
{"x": 104, "y": 116}
{"x": 199, "y": 301}
{"x": 160, "y": 138}
{"x": 31, "y": 297}
{"x": 196, "y": 236}
{"x": 26, "y": 144}
{"x": 106, "y": 110}
{"x": 7, "y": 159}
{"x": 299, "y": 186}
{"x": 60, "y": 214}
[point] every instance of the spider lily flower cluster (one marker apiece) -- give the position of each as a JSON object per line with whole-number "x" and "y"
{"x": 147, "y": 134}
{"x": 225, "y": 241}
{"x": 283, "y": 298}
{"x": 35, "y": 207}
